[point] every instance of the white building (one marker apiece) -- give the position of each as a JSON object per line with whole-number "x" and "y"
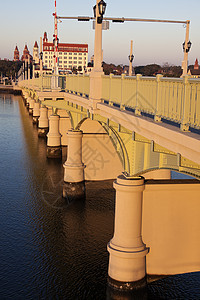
{"x": 69, "y": 55}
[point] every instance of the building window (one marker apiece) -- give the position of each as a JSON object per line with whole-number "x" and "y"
{"x": 80, "y": 54}
{"x": 70, "y": 53}
{"x": 75, "y": 53}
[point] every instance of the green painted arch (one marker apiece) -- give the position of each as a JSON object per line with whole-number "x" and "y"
{"x": 78, "y": 126}
{"x": 116, "y": 141}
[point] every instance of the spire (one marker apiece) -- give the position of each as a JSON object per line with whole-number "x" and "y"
{"x": 35, "y": 45}
{"x": 196, "y": 65}
{"x": 45, "y": 39}
{"x": 16, "y": 54}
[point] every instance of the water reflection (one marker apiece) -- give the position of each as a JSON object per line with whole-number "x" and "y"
{"x": 50, "y": 248}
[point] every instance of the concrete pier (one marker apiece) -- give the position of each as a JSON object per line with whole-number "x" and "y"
{"x": 127, "y": 263}
{"x": 74, "y": 168}
{"x": 43, "y": 122}
{"x": 36, "y": 112}
{"x": 31, "y": 106}
{"x": 54, "y": 138}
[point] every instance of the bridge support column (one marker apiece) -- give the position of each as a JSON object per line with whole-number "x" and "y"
{"x": 31, "y": 106}
{"x": 127, "y": 263}
{"x": 74, "y": 186}
{"x": 43, "y": 122}
{"x": 36, "y": 112}
{"x": 54, "y": 138}
{"x": 27, "y": 102}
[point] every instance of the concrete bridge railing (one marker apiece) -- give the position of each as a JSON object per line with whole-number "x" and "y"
{"x": 174, "y": 99}
{"x": 75, "y": 84}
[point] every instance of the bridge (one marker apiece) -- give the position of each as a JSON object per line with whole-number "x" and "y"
{"x": 138, "y": 126}
{"x": 136, "y": 129}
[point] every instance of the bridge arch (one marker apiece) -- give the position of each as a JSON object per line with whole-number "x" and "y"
{"x": 103, "y": 151}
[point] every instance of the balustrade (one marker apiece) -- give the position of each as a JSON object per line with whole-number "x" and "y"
{"x": 174, "y": 99}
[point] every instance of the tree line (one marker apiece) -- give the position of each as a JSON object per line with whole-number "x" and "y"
{"x": 147, "y": 70}
{"x": 9, "y": 68}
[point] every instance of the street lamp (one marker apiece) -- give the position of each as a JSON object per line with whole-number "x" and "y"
{"x": 94, "y": 11}
{"x": 101, "y": 9}
{"x": 186, "y": 48}
{"x": 189, "y": 44}
{"x": 131, "y": 57}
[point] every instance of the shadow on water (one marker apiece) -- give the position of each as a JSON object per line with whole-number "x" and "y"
{"x": 50, "y": 248}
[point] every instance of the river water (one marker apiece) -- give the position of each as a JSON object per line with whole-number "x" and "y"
{"x": 50, "y": 249}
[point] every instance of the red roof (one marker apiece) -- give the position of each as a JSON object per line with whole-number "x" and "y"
{"x": 196, "y": 65}
{"x": 36, "y": 45}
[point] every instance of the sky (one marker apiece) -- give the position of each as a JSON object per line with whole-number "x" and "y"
{"x": 24, "y": 21}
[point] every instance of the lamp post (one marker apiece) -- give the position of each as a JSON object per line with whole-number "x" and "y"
{"x": 55, "y": 42}
{"x": 33, "y": 70}
{"x": 98, "y": 14}
{"x": 41, "y": 56}
{"x": 186, "y": 48}
{"x": 29, "y": 68}
{"x": 131, "y": 57}
{"x": 97, "y": 71}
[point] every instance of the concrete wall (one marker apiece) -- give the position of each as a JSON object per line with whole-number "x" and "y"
{"x": 171, "y": 226}
{"x": 99, "y": 155}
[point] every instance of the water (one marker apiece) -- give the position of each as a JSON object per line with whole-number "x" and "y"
{"x": 49, "y": 249}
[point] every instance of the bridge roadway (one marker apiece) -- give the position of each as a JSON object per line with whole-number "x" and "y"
{"x": 148, "y": 124}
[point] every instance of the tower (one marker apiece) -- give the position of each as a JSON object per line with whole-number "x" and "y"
{"x": 45, "y": 39}
{"x": 36, "y": 53}
{"x": 196, "y": 65}
{"x": 25, "y": 53}
{"x": 16, "y": 54}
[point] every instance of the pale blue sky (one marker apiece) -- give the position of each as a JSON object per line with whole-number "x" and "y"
{"x": 24, "y": 21}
